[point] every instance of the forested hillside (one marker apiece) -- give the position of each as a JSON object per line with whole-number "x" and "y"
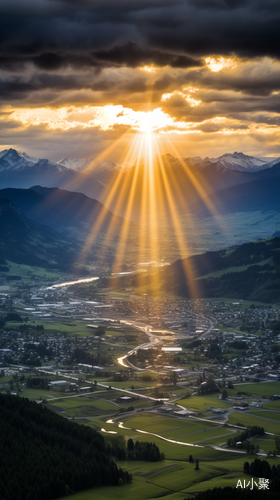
{"x": 250, "y": 271}
{"x": 44, "y": 456}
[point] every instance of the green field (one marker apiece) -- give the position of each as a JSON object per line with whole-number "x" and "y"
{"x": 41, "y": 393}
{"x": 271, "y": 415}
{"x": 28, "y": 273}
{"x": 204, "y": 402}
{"x": 68, "y": 326}
{"x": 172, "y": 479}
{"x": 273, "y": 405}
{"x": 249, "y": 420}
{"x": 77, "y": 401}
{"x": 265, "y": 443}
{"x": 263, "y": 389}
{"x": 169, "y": 430}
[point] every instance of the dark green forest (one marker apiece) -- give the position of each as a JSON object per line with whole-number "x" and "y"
{"x": 45, "y": 456}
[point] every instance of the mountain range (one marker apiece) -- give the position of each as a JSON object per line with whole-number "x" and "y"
{"x": 185, "y": 180}
{"x": 239, "y": 161}
{"x": 94, "y": 207}
{"x": 59, "y": 208}
{"x": 181, "y": 187}
{"x": 53, "y": 227}
{"x": 228, "y": 183}
{"x": 17, "y": 169}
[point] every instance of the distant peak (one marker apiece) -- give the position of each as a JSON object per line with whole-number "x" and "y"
{"x": 239, "y": 154}
{"x": 15, "y": 153}
{"x": 235, "y": 154}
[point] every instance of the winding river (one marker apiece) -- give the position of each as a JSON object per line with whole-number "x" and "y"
{"x": 219, "y": 448}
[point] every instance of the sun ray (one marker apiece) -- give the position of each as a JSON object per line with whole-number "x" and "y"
{"x": 202, "y": 188}
{"x": 112, "y": 196}
{"x": 146, "y": 196}
{"x": 181, "y": 239}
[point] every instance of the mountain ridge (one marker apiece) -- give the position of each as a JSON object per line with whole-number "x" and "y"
{"x": 250, "y": 271}
{"x": 58, "y": 208}
{"x": 26, "y": 241}
{"x": 183, "y": 181}
{"x": 234, "y": 161}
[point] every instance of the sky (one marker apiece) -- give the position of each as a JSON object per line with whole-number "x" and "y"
{"x": 85, "y": 78}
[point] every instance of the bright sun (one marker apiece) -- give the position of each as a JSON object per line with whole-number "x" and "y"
{"x": 150, "y": 121}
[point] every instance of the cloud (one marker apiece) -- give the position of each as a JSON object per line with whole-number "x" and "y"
{"x": 209, "y": 58}
{"x": 52, "y": 34}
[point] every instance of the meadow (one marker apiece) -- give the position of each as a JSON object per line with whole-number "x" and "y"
{"x": 262, "y": 389}
{"x": 172, "y": 479}
{"x": 247, "y": 419}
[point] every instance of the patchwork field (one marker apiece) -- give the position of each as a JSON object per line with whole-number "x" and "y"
{"x": 171, "y": 479}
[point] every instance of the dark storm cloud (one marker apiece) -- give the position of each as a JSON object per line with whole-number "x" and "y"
{"x": 52, "y": 34}
{"x": 57, "y": 52}
{"x": 128, "y": 54}
{"x": 133, "y": 56}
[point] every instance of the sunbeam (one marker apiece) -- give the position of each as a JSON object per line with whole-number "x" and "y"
{"x": 149, "y": 202}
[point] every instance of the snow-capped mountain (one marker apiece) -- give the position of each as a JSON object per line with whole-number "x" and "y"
{"x": 74, "y": 164}
{"x": 14, "y": 160}
{"x": 18, "y": 169}
{"x": 102, "y": 171}
{"x": 242, "y": 162}
{"x": 11, "y": 160}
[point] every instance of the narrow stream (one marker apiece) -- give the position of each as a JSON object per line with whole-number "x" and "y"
{"x": 218, "y": 448}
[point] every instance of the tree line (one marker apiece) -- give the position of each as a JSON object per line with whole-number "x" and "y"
{"x": 140, "y": 450}
{"x": 261, "y": 468}
{"x": 255, "y": 430}
{"x": 143, "y": 450}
